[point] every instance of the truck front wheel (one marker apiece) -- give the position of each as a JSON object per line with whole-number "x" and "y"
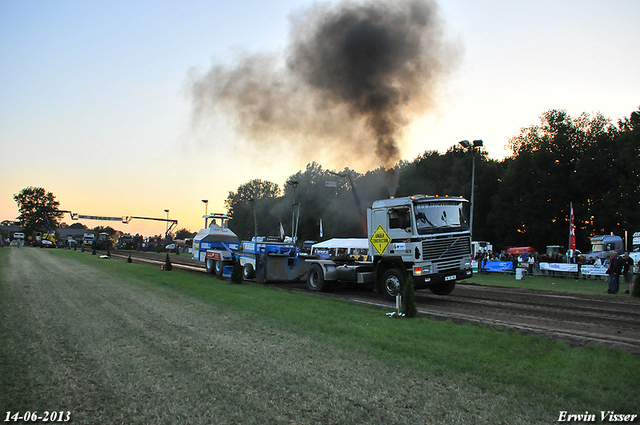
{"x": 391, "y": 284}
{"x": 443, "y": 288}
{"x": 315, "y": 279}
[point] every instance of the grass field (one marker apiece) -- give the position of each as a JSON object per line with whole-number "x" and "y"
{"x": 113, "y": 342}
{"x": 590, "y": 286}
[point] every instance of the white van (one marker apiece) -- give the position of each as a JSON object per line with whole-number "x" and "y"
{"x": 18, "y": 235}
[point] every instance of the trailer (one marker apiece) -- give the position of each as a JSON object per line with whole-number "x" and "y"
{"x": 603, "y": 245}
{"x": 267, "y": 261}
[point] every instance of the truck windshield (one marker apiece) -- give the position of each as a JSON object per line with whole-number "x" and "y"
{"x": 434, "y": 217}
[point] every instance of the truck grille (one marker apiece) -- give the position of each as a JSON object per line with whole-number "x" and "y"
{"x": 443, "y": 266}
{"x": 446, "y": 251}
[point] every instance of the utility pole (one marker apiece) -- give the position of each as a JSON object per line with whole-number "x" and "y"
{"x": 295, "y": 214}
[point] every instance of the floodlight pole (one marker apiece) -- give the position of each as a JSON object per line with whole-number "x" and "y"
{"x": 206, "y": 204}
{"x": 166, "y": 230}
{"x": 363, "y": 219}
{"x": 294, "y": 222}
{"x": 252, "y": 201}
{"x": 471, "y": 147}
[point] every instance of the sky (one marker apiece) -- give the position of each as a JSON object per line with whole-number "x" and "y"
{"x": 97, "y": 98}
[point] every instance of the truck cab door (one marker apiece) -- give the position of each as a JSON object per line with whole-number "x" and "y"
{"x": 399, "y": 224}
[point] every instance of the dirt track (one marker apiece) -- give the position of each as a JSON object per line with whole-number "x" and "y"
{"x": 575, "y": 318}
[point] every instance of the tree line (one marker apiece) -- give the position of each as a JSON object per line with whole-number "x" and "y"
{"x": 523, "y": 200}
{"x": 39, "y": 212}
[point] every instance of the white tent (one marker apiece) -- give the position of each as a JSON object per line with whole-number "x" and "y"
{"x": 348, "y": 243}
{"x": 357, "y": 248}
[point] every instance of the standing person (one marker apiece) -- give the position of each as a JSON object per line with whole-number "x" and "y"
{"x": 614, "y": 271}
{"x": 627, "y": 272}
{"x": 531, "y": 261}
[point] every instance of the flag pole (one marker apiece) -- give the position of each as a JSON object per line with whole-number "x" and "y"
{"x": 572, "y": 230}
{"x": 570, "y": 222}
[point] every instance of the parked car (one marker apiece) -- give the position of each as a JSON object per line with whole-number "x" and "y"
{"x": 170, "y": 247}
{"x": 45, "y": 243}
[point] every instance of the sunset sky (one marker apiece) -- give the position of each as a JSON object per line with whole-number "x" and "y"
{"x": 96, "y": 99}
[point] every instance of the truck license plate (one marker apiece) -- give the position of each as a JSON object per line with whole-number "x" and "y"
{"x": 452, "y": 277}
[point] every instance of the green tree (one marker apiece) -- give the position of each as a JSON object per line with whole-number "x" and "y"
{"x": 317, "y": 199}
{"x": 628, "y": 141}
{"x": 409, "y": 307}
{"x": 236, "y": 274}
{"x": 106, "y": 229}
{"x": 433, "y": 173}
{"x": 521, "y": 200}
{"x": 38, "y": 209}
{"x": 185, "y": 233}
{"x": 256, "y": 195}
{"x": 340, "y": 199}
{"x": 561, "y": 161}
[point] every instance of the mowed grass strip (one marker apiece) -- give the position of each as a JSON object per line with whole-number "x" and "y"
{"x": 115, "y": 342}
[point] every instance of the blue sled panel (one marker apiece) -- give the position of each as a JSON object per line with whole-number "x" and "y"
{"x": 227, "y": 271}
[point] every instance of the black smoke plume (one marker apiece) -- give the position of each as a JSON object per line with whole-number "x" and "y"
{"x": 351, "y": 79}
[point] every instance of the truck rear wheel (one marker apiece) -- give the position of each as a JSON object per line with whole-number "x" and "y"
{"x": 391, "y": 284}
{"x": 247, "y": 271}
{"x": 208, "y": 265}
{"x": 217, "y": 267}
{"x": 315, "y": 279}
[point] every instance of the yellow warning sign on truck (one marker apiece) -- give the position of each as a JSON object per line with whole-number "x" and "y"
{"x": 380, "y": 240}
